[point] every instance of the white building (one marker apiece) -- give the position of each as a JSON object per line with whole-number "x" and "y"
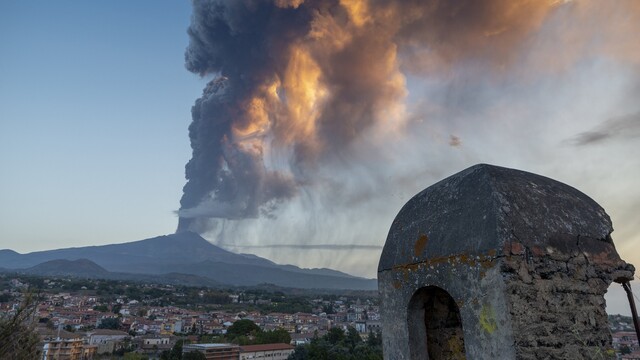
{"x": 266, "y": 351}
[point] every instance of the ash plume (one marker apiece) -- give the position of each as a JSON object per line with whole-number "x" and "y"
{"x": 294, "y": 86}
{"x": 300, "y": 85}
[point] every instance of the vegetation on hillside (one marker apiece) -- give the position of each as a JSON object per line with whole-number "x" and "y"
{"x": 338, "y": 345}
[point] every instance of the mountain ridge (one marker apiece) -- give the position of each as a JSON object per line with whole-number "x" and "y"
{"x": 182, "y": 253}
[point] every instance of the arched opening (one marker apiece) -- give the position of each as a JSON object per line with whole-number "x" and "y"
{"x": 435, "y": 326}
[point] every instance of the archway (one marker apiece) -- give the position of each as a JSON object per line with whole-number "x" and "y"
{"x": 435, "y": 326}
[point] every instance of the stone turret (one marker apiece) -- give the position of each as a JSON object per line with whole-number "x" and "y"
{"x": 496, "y": 263}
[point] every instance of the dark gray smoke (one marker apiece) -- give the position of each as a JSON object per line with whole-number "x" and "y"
{"x": 297, "y": 83}
{"x": 292, "y": 79}
{"x": 224, "y": 179}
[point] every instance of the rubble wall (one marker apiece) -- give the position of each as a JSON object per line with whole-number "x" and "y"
{"x": 556, "y": 297}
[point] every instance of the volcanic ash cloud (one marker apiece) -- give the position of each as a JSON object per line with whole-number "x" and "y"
{"x": 298, "y": 86}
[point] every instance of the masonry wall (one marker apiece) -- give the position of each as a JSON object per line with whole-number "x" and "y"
{"x": 556, "y": 297}
{"x": 477, "y": 287}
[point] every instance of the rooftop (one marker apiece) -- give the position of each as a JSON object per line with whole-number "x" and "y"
{"x": 265, "y": 347}
{"x": 209, "y": 346}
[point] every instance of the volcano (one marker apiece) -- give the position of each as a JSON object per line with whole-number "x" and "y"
{"x": 185, "y": 253}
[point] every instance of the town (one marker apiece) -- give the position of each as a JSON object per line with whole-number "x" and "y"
{"x": 105, "y": 319}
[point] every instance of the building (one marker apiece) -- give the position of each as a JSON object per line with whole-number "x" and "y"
{"x": 266, "y": 351}
{"x": 214, "y": 351}
{"x": 107, "y": 340}
{"x": 303, "y": 338}
{"x": 154, "y": 340}
{"x": 633, "y": 356}
{"x": 497, "y": 263}
{"x": 625, "y": 338}
{"x": 67, "y": 349}
{"x": 64, "y": 345}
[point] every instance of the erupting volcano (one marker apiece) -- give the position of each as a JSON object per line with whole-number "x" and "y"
{"x": 305, "y": 91}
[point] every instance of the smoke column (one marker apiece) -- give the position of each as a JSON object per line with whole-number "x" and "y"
{"x": 296, "y": 83}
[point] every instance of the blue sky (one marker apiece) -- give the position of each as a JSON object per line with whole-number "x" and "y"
{"x": 94, "y": 108}
{"x": 95, "y": 103}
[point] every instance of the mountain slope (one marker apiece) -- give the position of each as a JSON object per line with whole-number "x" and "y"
{"x": 137, "y": 256}
{"x": 249, "y": 275}
{"x": 80, "y": 267}
{"x": 84, "y": 268}
{"x": 184, "y": 253}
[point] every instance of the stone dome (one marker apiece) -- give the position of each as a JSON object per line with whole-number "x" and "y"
{"x": 481, "y": 210}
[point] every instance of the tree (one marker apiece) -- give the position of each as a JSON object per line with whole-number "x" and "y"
{"x": 328, "y": 309}
{"x": 242, "y": 327}
{"x": 374, "y": 339}
{"x": 242, "y": 340}
{"x": 335, "y": 335}
{"x": 18, "y": 340}
{"x": 116, "y": 308}
{"x": 337, "y": 345}
{"x": 101, "y": 308}
{"x": 301, "y": 353}
{"x": 625, "y": 349}
{"x": 135, "y": 356}
{"x": 175, "y": 353}
{"x": 353, "y": 338}
{"x": 109, "y": 323}
{"x": 273, "y": 337}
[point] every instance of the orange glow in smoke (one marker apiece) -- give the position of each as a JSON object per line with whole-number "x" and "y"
{"x": 304, "y": 96}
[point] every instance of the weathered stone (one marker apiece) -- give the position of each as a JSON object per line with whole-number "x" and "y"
{"x": 498, "y": 263}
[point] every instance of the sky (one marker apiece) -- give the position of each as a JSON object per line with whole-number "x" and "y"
{"x": 95, "y": 105}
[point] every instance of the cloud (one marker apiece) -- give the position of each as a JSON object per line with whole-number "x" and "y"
{"x": 301, "y": 84}
{"x": 620, "y": 128}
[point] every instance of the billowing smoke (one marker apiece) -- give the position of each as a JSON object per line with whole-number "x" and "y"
{"x": 295, "y": 84}
{"x": 304, "y": 89}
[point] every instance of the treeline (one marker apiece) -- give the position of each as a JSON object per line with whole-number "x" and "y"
{"x": 160, "y": 295}
{"x": 338, "y": 345}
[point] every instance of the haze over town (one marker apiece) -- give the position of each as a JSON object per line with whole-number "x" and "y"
{"x": 95, "y": 105}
